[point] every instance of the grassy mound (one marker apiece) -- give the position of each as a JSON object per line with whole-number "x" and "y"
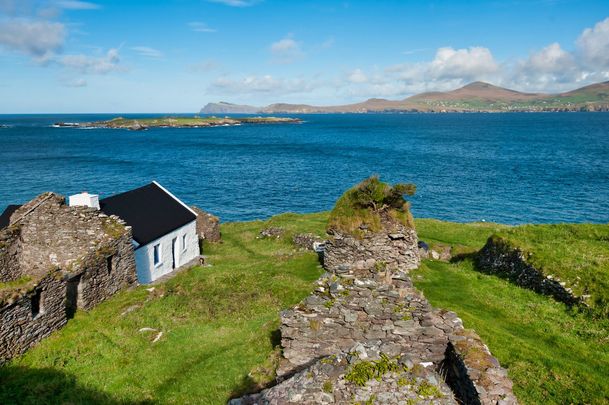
{"x": 365, "y": 205}
{"x": 577, "y": 254}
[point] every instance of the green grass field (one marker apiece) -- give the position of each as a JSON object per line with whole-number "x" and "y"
{"x": 576, "y": 253}
{"x": 219, "y": 327}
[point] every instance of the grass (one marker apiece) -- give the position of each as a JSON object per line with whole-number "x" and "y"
{"x": 219, "y": 328}
{"x": 220, "y": 323}
{"x": 464, "y": 238}
{"x": 578, "y": 254}
{"x": 553, "y": 356}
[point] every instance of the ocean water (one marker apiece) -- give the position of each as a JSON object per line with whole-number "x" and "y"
{"x": 509, "y": 168}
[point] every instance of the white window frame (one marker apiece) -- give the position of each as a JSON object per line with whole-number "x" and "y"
{"x": 184, "y": 242}
{"x": 160, "y": 256}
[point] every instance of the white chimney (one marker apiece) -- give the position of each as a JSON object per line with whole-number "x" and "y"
{"x": 84, "y": 199}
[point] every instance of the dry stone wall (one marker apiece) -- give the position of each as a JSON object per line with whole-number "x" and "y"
{"x": 395, "y": 251}
{"x": 60, "y": 259}
{"x": 10, "y": 250}
{"x": 499, "y": 258}
{"x": 208, "y": 225}
{"x": 22, "y": 325}
{"x": 363, "y": 315}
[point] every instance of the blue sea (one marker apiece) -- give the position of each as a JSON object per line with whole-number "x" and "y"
{"x": 510, "y": 168}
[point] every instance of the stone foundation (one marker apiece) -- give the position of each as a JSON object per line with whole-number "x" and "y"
{"x": 362, "y": 313}
{"x": 499, "y": 258}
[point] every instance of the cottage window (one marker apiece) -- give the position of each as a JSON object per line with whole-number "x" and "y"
{"x": 157, "y": 254}
{"x": 37, "y": 307}
{"x": 183, "y": 242}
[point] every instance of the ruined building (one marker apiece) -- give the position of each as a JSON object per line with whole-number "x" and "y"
{"x": 55, "y": 259}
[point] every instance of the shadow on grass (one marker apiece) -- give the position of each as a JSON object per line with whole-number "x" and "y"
{"x": 22, "y": 385}
{"x": 265, "y": 375}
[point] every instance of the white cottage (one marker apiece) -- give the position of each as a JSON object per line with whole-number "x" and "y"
{"x": 164, "y": 228}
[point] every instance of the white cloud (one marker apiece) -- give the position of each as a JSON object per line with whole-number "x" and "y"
{"x": 328, "y": 43}
{"x": 286, "y": 50}
{"x": 77, "y": 5}
{"x": 357, "y": 76}
{"x": 593, "y": 44}
{"x": 147, "y": 51}
{"x": 236, "y": 3}
{"x": 77, "y": 82}
{"x": 94, "y": 65}
{"x": 198, "y": 26}
{"x": 205, "y": 66}
{"x": 37, "y": 38}
{"x": 263, "y": 84}
{"x": 465, "y": 64}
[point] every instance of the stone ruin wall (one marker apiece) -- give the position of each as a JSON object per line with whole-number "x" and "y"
{"x": 361, "y": 312}
{"x": 10, "y": 249}
{"x": 396, "y": 251}
{"x": 76, "y": 257}
{"x": 20, "y": 329}
{"x": 499, "y": 258}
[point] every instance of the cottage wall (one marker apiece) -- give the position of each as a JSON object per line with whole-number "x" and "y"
{"x": 107, "y": 271}
{"x": 147, "y": 272}
{"x": 68, "y": 257}
{"x": 21, "y": 327}
{"x": 10, "y": 249}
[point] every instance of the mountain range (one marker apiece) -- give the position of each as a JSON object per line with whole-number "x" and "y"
{"x": 474, "y": 97}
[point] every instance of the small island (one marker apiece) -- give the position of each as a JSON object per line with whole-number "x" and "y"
{"x": 140, "y": 124}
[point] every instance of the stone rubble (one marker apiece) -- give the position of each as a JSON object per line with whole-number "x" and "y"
{"x": 306, "y": 241}
{"x": 271, "y": 232}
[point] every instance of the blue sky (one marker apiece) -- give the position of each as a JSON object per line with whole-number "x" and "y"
{"x": 175, "y": 56}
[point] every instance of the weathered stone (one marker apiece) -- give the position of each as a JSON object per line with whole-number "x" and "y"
{"x": 71, "y": 257}
{"x": 208, "y": 225}
{"x": 306, "y": 241}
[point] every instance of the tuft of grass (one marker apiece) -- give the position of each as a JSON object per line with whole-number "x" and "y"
{"x": 364, "y": 371}
{"x": 553, "y": 356}
{"x": 364, "y": 205}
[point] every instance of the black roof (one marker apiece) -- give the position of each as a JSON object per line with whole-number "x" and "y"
{"x": 150, "y": 210}
{"x": 6, "y": 215}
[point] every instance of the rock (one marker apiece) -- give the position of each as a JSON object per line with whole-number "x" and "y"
{"x": 271, "y": 232}
{"x": 208, "y": 225}
{"x": 306, "y": 241}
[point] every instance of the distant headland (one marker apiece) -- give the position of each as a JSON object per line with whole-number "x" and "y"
{"x": 139, "y": 124}
{"x": 474, "y": 97}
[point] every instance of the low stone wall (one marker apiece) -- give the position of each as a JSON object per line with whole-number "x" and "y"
{"x": 499, "y": 258}
{"x": 395, "y": 251}
{"x": 22, "y": 325}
